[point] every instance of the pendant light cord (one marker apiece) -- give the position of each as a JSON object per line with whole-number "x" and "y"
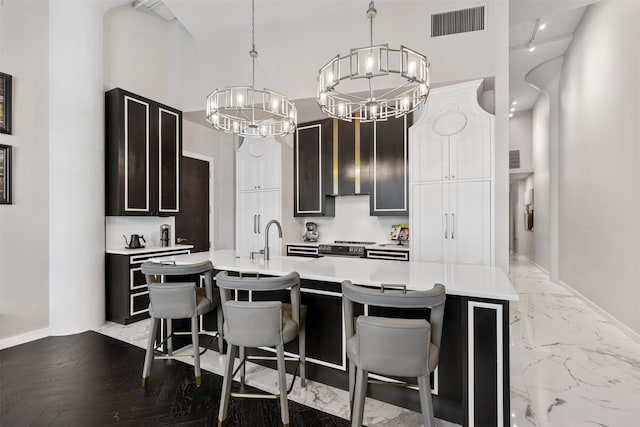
{"x": 253, "y": 54}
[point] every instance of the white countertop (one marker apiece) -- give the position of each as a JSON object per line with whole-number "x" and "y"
{"x": 463, "y": 280}
{"x": 147, "y": 250}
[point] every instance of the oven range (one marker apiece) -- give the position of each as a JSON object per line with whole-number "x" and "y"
{"x": 345, "y": 248}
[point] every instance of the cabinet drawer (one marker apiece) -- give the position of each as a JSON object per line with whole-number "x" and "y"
{"x": 391, "y": 255}
{"x": 139, "y": 303}
{"x": 136, "y": 279}
{"x": 139, "y": 259}
{"x": 310, "y": 251}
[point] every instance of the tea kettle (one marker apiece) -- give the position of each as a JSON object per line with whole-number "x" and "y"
{"x": 134, "y": 242}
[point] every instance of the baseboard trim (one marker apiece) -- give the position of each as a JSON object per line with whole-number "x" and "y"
{"x": 24, "y": 338}
{"x": 633, "y": 335}
{"x": 544, "y": 270}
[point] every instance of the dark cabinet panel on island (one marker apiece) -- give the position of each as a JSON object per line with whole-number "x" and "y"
{"x": 313, "y": 178}
{"x": 143, "y": 149}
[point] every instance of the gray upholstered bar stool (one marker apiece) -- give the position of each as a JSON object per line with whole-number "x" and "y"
{"x": 179, "y": 300}
{"x": 392, "y": 346}
{"x": 260, "y": 324}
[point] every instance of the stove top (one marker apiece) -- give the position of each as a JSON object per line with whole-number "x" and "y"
{"x": 352, "y": 242}
{"x": 344, "y": 248}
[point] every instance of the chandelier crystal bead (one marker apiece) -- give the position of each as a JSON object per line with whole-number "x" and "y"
{"x": 405, "y": 68}
{"x": 247, "y": 111}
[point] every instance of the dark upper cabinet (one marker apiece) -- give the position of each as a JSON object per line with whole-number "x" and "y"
{"x": 334, "y": 157}
{"x": 389, "y": 167}
{"x": 313, "y": 169}
{"x": 143, "y": 148}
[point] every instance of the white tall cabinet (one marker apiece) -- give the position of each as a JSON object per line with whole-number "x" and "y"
{"x": 452, "y": 179}
{"x": 259, "y": 196}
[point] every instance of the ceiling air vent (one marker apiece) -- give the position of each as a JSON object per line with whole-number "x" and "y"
{"x": 457, "y": 21}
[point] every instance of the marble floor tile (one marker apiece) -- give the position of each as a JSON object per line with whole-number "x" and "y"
{"x": 569, "y": 365}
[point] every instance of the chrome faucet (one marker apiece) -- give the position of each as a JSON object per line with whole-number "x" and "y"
{"x": 266, "y": 237}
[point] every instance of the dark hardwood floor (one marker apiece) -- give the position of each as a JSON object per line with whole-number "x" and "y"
{"x": 90, "y": 379}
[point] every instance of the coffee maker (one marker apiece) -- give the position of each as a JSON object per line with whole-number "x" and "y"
{"x": 165, "y": 232}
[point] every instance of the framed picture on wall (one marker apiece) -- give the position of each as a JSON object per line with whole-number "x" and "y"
{"x": 5, "y": 174}
{"x": 5, "y": 103}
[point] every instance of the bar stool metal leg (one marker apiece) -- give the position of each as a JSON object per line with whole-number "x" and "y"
{"x": 195, "y": 338}
{"x": 352, "y": 385}
{"x": 282, "y": 376}
{"x": 426, "y": 403}
{"x": 243, "y": 366}
{"x": 169, "y": 337}
{"x": 153, "y": 329}
{"x": 226, "y": 385}
{"x": 361, "y": 391}
{"x": 303, "y": 357}
{"x": 220, "y": 334}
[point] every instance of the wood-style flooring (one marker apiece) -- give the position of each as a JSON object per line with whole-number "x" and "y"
{"x": 90, "y": 379}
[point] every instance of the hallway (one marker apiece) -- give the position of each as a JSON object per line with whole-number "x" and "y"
{"x": 569, "y": 365}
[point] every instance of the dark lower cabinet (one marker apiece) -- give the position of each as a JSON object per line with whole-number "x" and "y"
{"x": 127, "y": 296}
{"x": 143, "y": 148}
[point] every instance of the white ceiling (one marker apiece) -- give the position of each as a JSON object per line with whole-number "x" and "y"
{"x": 561, "y": 18}
{"x": 208, "y": 19}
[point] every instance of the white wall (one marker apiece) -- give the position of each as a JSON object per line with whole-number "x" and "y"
{"x": 520, "y": 138}
{"x": 600, "y": 160}
{"x": 540, "y": 156}
{"x": 24, "y": 225}
{"x": 119, "y": 227}
{"x": 136, "y": 53}
{"x": 351, "y": 222}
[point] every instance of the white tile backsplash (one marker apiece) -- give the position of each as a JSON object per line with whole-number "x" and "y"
{"x": 149, "y": 227}
{"x": 352, "y": 222}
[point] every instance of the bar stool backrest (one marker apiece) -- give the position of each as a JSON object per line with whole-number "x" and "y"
{"x": 153, "y": 271}
{"x": 406, "y": 332}
{"x": 256, "y": 323}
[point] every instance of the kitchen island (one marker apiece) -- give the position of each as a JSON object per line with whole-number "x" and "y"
{"x": 471, "y": 384}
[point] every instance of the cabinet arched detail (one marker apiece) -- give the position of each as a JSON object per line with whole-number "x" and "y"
{"x": 452, "y": 179}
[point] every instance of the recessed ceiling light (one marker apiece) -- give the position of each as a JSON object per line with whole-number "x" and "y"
{"x": 514, "y": 102}
{"x": 512, "y": 109}
{"x": 510, "y": 115}
{"x": 532, "y": 48}
{"x": 542, "y": 26}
